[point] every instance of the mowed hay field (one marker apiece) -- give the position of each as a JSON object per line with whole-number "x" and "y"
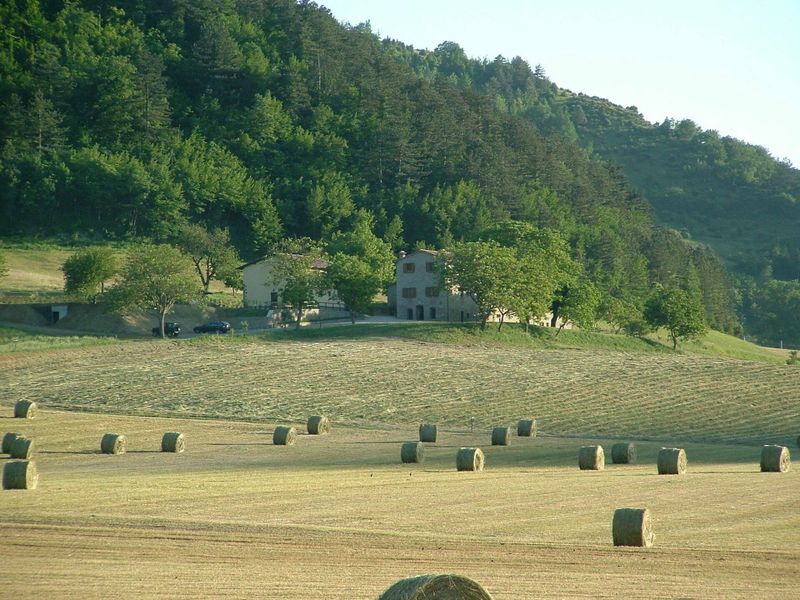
{"x": 380, "y": 381}
{"x": 338, "y": 516}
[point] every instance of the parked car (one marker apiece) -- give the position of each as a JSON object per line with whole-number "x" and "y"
{"x": 170, "y": 329}
{"x": 213, "y": 327}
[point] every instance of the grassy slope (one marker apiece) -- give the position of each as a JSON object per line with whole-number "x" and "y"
{"x": 381, "y": 379}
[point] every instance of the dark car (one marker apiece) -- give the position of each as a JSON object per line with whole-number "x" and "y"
{"x": 170, "y": 329}
{"x": 213, "y": 327}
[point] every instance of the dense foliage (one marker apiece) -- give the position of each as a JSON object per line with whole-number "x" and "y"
{"x": 132, "y": 119}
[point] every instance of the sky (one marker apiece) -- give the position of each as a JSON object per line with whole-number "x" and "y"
{"x": 732, "y": 66}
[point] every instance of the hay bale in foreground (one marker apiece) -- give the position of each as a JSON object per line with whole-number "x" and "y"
{"x": 428, "y": 432}
{"x": 318, "y": 425}
{"x": 592, "y": 458}
{"x": 284, "y": 436}
{"x": 412, "y": 452}
{"x": 623, "y": 453}
{"x": 671, "y": 461}
{"x": 631, "y": 527}
{"x": 113, "y": 443}
{"x": 20, "y": 475}
{"x": 501, "y": 436}
{"x": 7, "y": 441}
{"x": 469, "y": 459}
{"x": 436, "y": 587}
{"x": 173, "y": 441}
{"x": 25, "y": 409}
{"x": 526, "y": 428}
{"x": 21, "y": 447}
{"x": 775, "y": 459}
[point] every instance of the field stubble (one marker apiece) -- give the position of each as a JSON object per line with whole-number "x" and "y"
{"x": 237, "y": 516}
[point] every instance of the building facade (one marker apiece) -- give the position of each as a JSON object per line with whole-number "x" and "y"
{"x": 262, "y": 289}
{"x": 419, "y": 294}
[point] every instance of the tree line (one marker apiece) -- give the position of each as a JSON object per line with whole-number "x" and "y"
{"x": 139, "y": 120}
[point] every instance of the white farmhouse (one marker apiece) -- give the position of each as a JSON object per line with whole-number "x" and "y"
{"x": 262, "y": 290}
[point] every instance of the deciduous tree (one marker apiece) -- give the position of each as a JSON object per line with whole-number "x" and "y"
{"x": 155, "y": 277}
{"x": 678, "y": 312}
{"x": 86, "y": 272}
{"x": 298, "y": 271}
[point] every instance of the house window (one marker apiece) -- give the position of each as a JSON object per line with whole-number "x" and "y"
{"x": 429, "y": 267}
{"x": 408, "y": 267}
{"x": 409, "y": 292}
{"x": 273, "y": 297}
{"x": 432, "y": 292}
{"x": 433, "y": 313}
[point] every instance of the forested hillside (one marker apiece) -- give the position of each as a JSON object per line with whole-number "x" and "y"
{"x": 130, "y": 119}
{"x": 711, "y": 189}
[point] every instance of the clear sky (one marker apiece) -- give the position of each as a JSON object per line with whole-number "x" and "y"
{"x": 733, "y": 65}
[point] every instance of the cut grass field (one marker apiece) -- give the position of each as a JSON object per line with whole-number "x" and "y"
{"x": 377, "y": 381}
{"x": 339, "y": 517}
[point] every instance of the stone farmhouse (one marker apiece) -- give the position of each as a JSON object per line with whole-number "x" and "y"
{"x": 418, "y": 294}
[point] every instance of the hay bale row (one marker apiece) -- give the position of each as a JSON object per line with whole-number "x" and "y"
{"x": 21, "y": 447}
{"x": 623, "y": 453}
{"x": 113, "y": 443}
{"x": 671, "y": 461}
{"x": 631, "y": 527}
{"x": 501, "y": 436}
{"x": 591, "y": 458}
{"x": 469, "y": 459}
{"x": 8, "y": 439}
{"x": 438, "y": 587}
{"x": 412, "y": 452}
{"x": 428, "y": 432}
{"x": 526, "y": 428}
{"x": 284, "y": 436}
{"x": 775, "y": 459}
{"x": 25, "y": 409}
{"x": 318, "y": 425}
{"x": 20, "y": 475}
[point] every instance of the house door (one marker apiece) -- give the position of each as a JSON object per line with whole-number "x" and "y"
{"x": 410, "y": 314}
{"x": 420, "y": 312}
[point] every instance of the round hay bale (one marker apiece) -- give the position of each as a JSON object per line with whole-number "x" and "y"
{"x": 113, "y": 443}
{"x": 412, "y": 452}
{"x": 591, "y": 458}
{"x": 318, "y": 425}
{"x": 284, "y": 436}
{"x": 21, "y": 447}
{"x": 775, "y": 459}
{"x": 501, "y": 436}
{"x": 428, "y": 432}
{"x": 436, "y": 587}
{"x": 173, "y": 442}
{"x": 20, "y": 475}
{"x": 526, "y": 428}
{"x": 7, "y": 440}
{"x": 623, "y": 453}
{"x": 25, "y": 409}
{"x": 671, "y": 461}
{"x": 631, "y": 527}
{"x": 469, "y": 459}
